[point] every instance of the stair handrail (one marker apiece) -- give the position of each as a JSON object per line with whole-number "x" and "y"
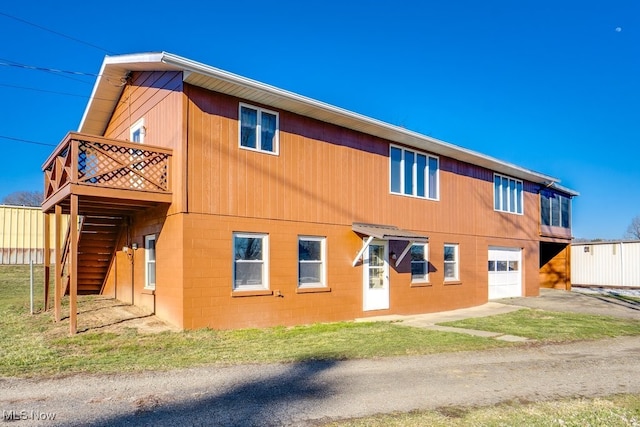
{"x": 66, "y": 248}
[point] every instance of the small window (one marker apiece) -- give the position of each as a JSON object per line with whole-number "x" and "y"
{"x": 258, "y": 129}
{"x": 250, "y": 269}
{"x": 413, "y": 173}
{"x": 137, "y": 132}
{"x": 311, "y": 262}
{"x": 419, "y": 263}
{"x": 451, "y": 262}
{"x": 150, "y": 261}
{"x": 507, "y": 194}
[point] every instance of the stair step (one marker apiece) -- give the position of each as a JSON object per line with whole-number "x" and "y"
{"x": 102, "y": 220}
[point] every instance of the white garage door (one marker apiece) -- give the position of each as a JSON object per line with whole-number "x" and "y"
{"x": 505, "y": 272}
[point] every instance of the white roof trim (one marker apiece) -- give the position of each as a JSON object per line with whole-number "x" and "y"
{"x": 106, "y": 94}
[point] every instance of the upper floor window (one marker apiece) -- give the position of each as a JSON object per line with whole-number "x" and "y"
{"x": 507, "y": 194}
{"x": 555, "y": 209}
{"x": 137, "y": 132}
{"x": 258, "y": 129}
{"x": 413, "y": 173}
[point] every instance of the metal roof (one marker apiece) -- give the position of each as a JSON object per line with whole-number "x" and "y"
{"x": 387, "y": 232}
{"x": 115, "y": 69}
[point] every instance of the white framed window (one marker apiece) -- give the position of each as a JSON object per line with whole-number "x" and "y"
{"x": 451, "y": 262}
{"x": 150, "y": 261}
{"x": 137, "y": 132}
{"x": 250, "y": 261}
{"x": 413, "y": 173}
{"x": 258, "y": 129}
{"x": 311, "y": 261}
{"x": 555, "y": 209}
{"x": 507, "y": 194}
{"x": 419, "y": 263}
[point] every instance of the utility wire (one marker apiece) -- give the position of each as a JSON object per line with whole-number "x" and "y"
{"x": 8, "y": 63}
{"x": 57, "y": 33}
{"x": 47, "y": 91}
{"x": 26, "y": 141}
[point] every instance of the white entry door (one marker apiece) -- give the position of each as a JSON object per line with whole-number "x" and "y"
{"x": 376, "y": 276}
{"x": 505, "y": 272}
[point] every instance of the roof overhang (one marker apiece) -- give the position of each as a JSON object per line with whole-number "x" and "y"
{"x": 386, "y": 232}
{"x": 115, "y": 69}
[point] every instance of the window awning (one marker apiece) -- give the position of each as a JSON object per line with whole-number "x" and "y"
{"x": 386, "y": 232}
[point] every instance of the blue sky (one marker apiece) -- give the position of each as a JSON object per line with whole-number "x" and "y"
{"x": 552, "y": 86}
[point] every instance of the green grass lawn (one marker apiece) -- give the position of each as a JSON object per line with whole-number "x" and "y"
{"x": 34, "y": 345}
{"x": 552, "y": 326}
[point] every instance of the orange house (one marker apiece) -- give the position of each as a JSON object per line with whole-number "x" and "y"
{"x": 219, "y": 201}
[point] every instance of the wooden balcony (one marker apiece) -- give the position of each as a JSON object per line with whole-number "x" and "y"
{"x": 555, "y": 234}
{"x": 109, "y": 176}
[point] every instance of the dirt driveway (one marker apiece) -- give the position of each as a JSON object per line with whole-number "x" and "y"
{"x": 603, "y": 304}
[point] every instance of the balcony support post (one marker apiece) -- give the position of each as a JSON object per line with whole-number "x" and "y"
{"x": 58, "y": 268}
{"x": 73, "y": 266}
{"x": 46, "y": 259}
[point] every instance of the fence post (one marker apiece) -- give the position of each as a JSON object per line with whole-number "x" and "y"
{"x": 31, "y": 283}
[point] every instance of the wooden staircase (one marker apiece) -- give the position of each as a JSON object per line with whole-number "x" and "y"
{"x": 97, "y": 240}
{"x": 96, "y": 247}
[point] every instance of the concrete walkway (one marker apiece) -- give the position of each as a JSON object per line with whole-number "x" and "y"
{"x": 431, "y": 320}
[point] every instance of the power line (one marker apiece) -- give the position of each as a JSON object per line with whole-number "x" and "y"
{"x": 46, "y": 91}
{"x": 27, "y": 141}
{"x": 57, "y": 33}
{"x": 61, "y": 73}
{"x": 9, "y": 63}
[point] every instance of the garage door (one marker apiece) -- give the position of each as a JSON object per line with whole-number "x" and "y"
{"x": 505, "y": 272}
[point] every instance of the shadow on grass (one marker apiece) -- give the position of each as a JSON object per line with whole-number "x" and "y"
{"x": 269, "y": 401}
{"x": 117, "y": 322}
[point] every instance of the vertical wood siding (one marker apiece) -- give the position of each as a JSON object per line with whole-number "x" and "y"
{"x": 330, "y": 175}
{"x": 156, "y": 97}
{"x": 324, "y": 179}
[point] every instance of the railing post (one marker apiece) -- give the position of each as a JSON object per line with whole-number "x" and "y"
{"x": 73, "y": 152}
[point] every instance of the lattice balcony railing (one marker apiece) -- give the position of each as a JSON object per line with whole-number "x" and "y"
{"x": 94, "y": 161}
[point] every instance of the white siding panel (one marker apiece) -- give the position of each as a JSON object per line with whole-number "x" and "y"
{"x": 22, "y": 234}
{"x": 606, "y": 264}
{"x": 631, "y": 273}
